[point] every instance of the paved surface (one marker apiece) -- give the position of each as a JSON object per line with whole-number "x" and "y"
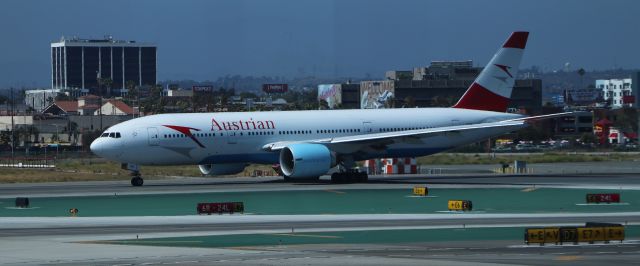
{"x": 194, "y": 184}
{"x": 28, "y": 226}
{"x": 68, "y": 244}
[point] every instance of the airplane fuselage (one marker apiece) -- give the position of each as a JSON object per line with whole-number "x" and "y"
{"x": 239, "y": 137}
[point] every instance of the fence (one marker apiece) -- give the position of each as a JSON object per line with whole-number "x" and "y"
{"x": 429, "y": 171}
{"x": 28, "y": 162}
{"x": 512, "y": 170}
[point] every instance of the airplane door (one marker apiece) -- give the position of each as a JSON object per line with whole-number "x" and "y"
{"x": 367, "y": 127}
{"x": 154, "y": 136}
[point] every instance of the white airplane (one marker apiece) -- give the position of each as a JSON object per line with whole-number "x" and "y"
{"x": 307, "y": 144}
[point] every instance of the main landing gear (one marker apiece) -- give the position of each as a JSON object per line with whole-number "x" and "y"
{"x": 302, "y": 180}
{"x": 136, "y": 179}
{"x": 348, "y": 172}
{"x": 353, "y": 176}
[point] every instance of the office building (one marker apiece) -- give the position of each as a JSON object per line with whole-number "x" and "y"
{"x": 617, "y": 92}
{"x": 101, "y": 66}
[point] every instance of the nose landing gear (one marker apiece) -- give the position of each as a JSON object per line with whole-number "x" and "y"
{"x": 136, "y": 179}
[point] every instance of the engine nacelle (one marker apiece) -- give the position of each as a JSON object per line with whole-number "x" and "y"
{"x": 222, "y": 169}
{"x": 306, "y": 160}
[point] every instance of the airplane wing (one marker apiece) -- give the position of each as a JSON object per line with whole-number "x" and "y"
{"x": 383, "y": 138}
{"x": 389, "y": 137}
{"x": 542, "y": 117}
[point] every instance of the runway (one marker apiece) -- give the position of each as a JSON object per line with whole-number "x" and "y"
{"x": 30, "y": 226}
{"x": 54, "y": 236}
{"x": 237, "y": 184}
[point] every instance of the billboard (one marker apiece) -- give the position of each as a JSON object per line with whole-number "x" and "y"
{"x": 377, "y": 94}
{"x": 582, "y": 96}
{"x": 202, "y": 89}
{"x": 275, "y": 88}
{"x": 331, "y": 94}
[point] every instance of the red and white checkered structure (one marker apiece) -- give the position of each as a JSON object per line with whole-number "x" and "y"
{"x": 391, "y": 166}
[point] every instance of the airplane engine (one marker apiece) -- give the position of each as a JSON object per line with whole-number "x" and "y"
{"x": 306, "y": 160}
{"x": 221, "y": 169}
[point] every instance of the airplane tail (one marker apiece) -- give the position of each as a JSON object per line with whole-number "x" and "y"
{"x": 492, "y": 88}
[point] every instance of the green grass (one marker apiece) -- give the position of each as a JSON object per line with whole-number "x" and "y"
{"x": 87, "y": 169}
{"x": 93, "y": 169}
{"x": 456, "y": 158}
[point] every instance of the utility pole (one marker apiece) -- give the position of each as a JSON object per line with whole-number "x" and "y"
{"x": 13, "y": 142}
{"x": 99, "y": 79}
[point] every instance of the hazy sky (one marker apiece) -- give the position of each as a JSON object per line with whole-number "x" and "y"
{"x": 206, "y": 39}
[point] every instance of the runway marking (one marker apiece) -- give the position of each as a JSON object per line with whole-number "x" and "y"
{"x": 529, "y": 189}
{"x": 568, "y": 258}
{"x": 303, "y": 235}
{"x": 416, "y": 196}
{"x": 138, "y": 241}
{"x": 603, "y": 204}
{"x": 400, "y": 256}
{"x": 335, "y": 191}
{"x": 20, "y": 208}
{"x": 461, "y": 212}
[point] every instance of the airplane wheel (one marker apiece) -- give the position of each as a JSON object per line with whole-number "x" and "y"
{"x": 137, "y": 181}
{"x": 337, "y": 178}
{"x": 286, "y": 178}
{"x": 334, "y": 178}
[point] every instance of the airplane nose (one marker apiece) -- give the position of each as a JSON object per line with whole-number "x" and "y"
{"x": 96, "y": 147}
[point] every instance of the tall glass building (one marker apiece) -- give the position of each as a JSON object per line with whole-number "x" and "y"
{"x": 78, "y": 65}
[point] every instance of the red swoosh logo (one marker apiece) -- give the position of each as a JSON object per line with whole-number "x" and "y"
{"x": 187, "y": 132}
{"x": 505, "y": 69}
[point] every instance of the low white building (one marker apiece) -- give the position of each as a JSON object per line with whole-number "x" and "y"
{"x": 114, "y": 107}
{"x": 618, "y": 91}
{"x": 40, "y": 99}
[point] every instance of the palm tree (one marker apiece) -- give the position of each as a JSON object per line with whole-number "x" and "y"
{"x": 133, "y": 94}
{"x": 107, "y": 83}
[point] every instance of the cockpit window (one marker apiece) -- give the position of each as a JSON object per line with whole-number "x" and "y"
{"x": 116, "y": 135}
